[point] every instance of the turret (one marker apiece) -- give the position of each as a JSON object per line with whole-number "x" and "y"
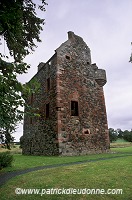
{"x": 100, "y": 77}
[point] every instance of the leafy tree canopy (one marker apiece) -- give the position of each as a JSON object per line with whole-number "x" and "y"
{"x": 127, "y": 135}
{"x": 115, "y": 134}
{"x": 20, "y": 27}
{"x": 112, "y": 134}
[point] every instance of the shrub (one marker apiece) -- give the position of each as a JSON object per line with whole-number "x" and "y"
{"x": 5, "y": 159}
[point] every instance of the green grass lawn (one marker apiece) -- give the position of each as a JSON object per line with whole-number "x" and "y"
{"x": 107, "y": 174}
{"x": 122, "y": 150}
{"x": 24, "y": 162}
{"x": 119, "y": 140}
{"x": 103, "y": 174}
{"x": 120, "y": 143}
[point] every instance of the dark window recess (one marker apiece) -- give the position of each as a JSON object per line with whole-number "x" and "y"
{"x": 86, "y": 132}
{"x": 74, "y": 108}
{"x": 48, "y": 84}
{"x": 67, "y": 57}
{"x": 47, "y": 110}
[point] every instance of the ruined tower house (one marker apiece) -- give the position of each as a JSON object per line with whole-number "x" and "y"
{"x": 71, "y": 104}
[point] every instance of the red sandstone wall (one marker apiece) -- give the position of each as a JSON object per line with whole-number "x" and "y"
{"x": 72, "y": 78}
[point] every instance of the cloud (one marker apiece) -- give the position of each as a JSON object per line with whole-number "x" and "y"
{"x": 105, "y": 26}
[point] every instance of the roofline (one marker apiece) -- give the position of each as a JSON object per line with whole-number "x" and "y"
{"x": 43, "y": 66}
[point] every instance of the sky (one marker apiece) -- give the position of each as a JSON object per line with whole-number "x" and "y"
{"x": 105, "y": 25}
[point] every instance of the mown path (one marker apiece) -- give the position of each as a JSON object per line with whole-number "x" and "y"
{"x": 7, "y": 176}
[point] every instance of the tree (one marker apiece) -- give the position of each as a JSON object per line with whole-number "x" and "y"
{"x": 120, "y": 133}
{"x": 127, "y": 135}
{"x": 20, "y": 27}
{"x": 112, "y": 135}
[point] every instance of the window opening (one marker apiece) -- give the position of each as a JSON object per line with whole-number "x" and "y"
{"x": 86, "y": 132}
{"x": 67, "y": 57}
{"x": 74, "y": 108}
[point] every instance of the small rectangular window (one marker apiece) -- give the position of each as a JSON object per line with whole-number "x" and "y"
{"x": 74, "y": 108}
{"x": 48, "y": 84}
{"x": 47, "y": 110}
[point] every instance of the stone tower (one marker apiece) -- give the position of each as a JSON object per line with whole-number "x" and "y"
{"x": 71, "y": 104}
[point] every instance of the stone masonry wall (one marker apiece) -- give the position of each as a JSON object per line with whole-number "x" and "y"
{"x": 40, "y": 134}
{"x": 72, "y": 78}
{"x": 77, "y": 80}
